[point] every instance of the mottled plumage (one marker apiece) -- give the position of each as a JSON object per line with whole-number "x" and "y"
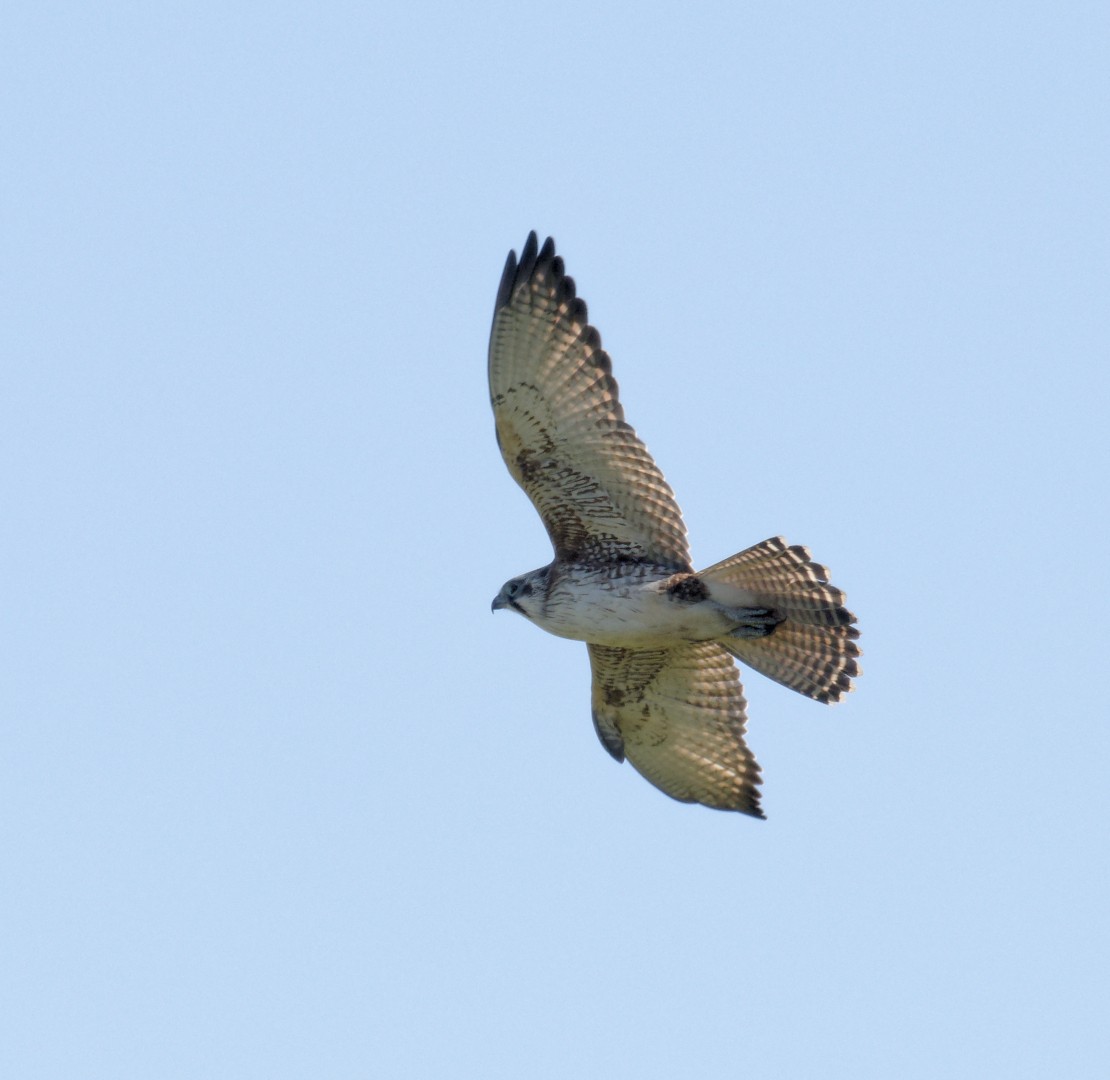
{"x": 661, "y": 638}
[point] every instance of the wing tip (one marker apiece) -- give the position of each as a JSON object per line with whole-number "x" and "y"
{"x": 753, "y": 809}
{"x": 533, "y": 256}
{"x": 508, "y": 281}
{"x": 746, "y": 802}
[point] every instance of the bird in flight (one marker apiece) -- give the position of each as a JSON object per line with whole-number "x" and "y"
{"x": 662, "y": 638}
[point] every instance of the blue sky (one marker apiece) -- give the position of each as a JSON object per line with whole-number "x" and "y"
{"x": 280, "y": 798}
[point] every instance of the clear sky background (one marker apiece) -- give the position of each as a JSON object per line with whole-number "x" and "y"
{"x": 280, "y": 798}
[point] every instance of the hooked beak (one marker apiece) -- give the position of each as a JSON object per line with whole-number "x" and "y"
{"x": 499, "y": 602}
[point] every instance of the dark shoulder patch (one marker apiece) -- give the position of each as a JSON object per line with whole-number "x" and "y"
{"x": 687, "y": 587}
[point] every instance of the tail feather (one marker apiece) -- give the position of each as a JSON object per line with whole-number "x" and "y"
{"x": 813, "y": 650}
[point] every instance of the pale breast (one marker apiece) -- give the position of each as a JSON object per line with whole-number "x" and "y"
{"x": 627, "y": 606}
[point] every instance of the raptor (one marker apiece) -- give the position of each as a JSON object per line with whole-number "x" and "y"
{"x": 662, "y": 638}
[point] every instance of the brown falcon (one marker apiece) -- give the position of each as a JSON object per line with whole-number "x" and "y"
{"x": 661, "y": 638}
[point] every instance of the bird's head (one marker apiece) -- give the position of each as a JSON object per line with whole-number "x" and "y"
{"x": 524, "y": 594}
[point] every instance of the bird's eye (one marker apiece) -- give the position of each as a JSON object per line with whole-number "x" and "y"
{"x": 514, "y": 588}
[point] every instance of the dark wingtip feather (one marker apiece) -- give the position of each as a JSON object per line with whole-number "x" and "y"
{"x": 508, "y": 280}
{"x": 746, "y": 802}
{"x": 754, "y": 809}
{"x": 529, "y": 257}
{"x": 517, "y": 272}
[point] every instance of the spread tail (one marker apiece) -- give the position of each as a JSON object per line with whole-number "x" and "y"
{"x": 813, "y": 649}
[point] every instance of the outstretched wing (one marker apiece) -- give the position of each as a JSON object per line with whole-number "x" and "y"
{"x": 561, "y": 428}
{"x": 678, "y": 715}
